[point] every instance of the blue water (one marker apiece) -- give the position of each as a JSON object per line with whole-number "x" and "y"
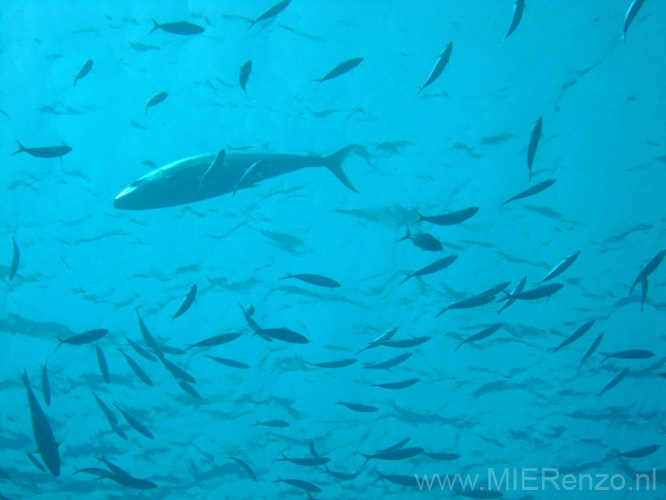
{"x": 503, "y": 403}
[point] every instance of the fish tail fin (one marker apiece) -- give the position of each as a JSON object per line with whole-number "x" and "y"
{"x": 406, "y": 278}
{"x": 405, "y": 237}
{"x": 156, "y": 25}
{"x": 367, "y": 458}
{"x": 333, "y": 162}
{"x": 421, "y": 218}
{"x": 441, "y": 312}
{"x": 458, "y": 346}
{"x": 605, "y": 355}
{"x": 20, "y": 149}
{"x": 24, "y": 378}
{"x": 287, "y": 276}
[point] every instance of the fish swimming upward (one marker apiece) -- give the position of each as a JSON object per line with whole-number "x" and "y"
{"x": 181, "y": 182}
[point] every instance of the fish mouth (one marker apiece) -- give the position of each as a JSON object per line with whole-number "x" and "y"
{"x": 122, "y": 201}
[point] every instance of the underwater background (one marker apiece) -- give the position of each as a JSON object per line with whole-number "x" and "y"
{"x": 506, "y": 401}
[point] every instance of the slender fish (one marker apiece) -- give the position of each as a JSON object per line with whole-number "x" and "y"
{"x": 561, "y": 267}
{"x": 43, "y": 152}
{"x": 103, "y": 366}
{"x": 189, "y": 300}
{"x": 439, "y": 66}
{"x": 177, "y": 28}
{"x": 85, "y": 69}
{"x": 272, "y": 12}
{"x": 537, "y": 188}
{"x": 517, "y": 16}
{"x": 16, "y": 257}
{"x": 341, "y": 69}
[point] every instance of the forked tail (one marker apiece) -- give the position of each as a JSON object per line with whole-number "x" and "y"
{"x": 334, "y": 162}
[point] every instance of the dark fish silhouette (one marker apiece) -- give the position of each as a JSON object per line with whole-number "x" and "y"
{"x": 631, "y": 14}
{"x": 177, "y": 371}
{"x": 390, "y": 363}
{"x": 140, "y": 350}
{"x": 273, "y": 423}
{"x": 272, "y": 12}
{"x": 245, "y": 74}
{"x": 360, "y": 408}
{"x": 103, "y": 366}
{"x": 517, "y": 15}
{"x": 122, "y": 477}
{"x": 402, "y": 384}
{"x": 314, "y": 279}
{"x": 138, "y": 371}
{"x": 16, "y": 257}
{"x": 178, "y": 28}
{"x": 335, "y": 364}
{"x": 495, "y": 289}
{"x": 629, "y": 354}
{"x": 405, "y": 343}
{"x": 537, "y": 188}
{"x": 485, "y": 333}
{"x": 228, "y": 362}
{"x": 424, "y": 241}
{"x": 299, "y": 483}
{"x": 341, "y": 69}
{"x": 576, "y": 335}
{"x": 224, "y": 338}
{"x": 46, "y": 386}
{"x": 534, "y": 144}
{"x": 590, "y": 350}
{"x": 43, "y": 152}
{"x": 248, "y": 470}
{"x": 536, "y": 293}
{"x": 638, "y": 453}
{"x": 474, "y": 301}
{"x": 614, "y": 381}
{"x": 519, "y": 288}
{"x": 449, "y": 219}
{"x": 85, "y": 69}
{"x": 110, "y": 417}
{"x": 439, "y": 66}
{"x": 138, "y": 426}
{"x": 179, "y": 182}
{"x": 395, "y": 454}
{"x": 148, "y": 338}
{"x": 438, "y": 265}
{"x": 84, "y": 338}
{"x": 189, "y": 389}
{"x": 648, "y": 269}
{"x": 189, "y": 300}
{"x": 41, "y": 429}
{"x": 284, "y": 334}
{"x": 561, "y": 267}
{"x": 155, "y": 100}
{"x": 306, "y": 461}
